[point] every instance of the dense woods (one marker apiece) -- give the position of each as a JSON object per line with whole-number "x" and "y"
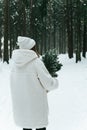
{"x": 60, "y": 24}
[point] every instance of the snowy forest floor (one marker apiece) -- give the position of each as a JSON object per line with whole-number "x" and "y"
{"x": 67, "y": 104}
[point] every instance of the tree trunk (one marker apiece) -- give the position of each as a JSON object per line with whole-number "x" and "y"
{"x": 32, "y": 18}
{"x": 69, "y": 28}
{"x": 44, "y": 23}
{"x": 45, "y": 37}
{"x": 60, "y": 40}
{"x": 54, "y": 24}
{"x": 10, "y": 47}
{"x": 6, "y": 9}
{"x": 84, "y": 37}
{"x": 78, "y": 24}
{"x": 24, "y": 20}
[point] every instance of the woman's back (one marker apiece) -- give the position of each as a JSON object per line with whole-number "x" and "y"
{"x": 30, "y": 82}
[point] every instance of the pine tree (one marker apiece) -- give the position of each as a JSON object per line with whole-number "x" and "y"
{"x": 50, "y": 59}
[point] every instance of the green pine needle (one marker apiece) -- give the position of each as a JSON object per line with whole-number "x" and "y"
{"x": 50, "y": 59}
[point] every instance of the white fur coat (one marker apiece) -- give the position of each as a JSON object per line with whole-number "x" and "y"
{"x": 29, "y": 82}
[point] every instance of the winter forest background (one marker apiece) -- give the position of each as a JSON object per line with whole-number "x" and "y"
{"x": 60, "y": 24}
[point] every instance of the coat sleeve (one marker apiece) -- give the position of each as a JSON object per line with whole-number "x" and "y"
{"x": 47, "y": 81}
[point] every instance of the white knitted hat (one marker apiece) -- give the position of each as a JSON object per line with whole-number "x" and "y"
{"x": 25, "y": 42}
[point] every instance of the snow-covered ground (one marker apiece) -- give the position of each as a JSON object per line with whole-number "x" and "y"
{"x": 67, "y": 104}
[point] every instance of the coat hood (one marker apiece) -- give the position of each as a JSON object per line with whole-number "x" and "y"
{"x": 21, "y": 57}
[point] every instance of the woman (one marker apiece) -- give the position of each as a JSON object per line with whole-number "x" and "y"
{"x": 30, "y": 82}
